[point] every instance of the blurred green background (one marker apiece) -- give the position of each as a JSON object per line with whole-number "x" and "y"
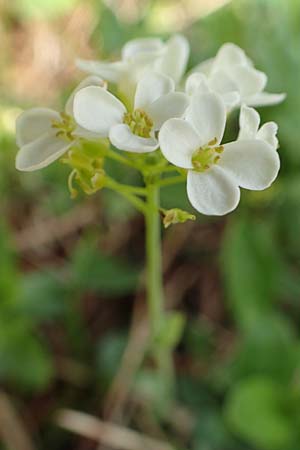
{"x": 70, "y": 271}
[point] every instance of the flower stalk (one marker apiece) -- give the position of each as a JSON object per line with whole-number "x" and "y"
{"x": 154, "y": 283}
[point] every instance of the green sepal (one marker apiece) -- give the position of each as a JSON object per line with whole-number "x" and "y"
{"x": 175, "y": 215}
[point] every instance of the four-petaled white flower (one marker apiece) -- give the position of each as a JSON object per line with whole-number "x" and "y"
{"x": 44, "y": 135}
{"x": 139, "y": 56}
{"x": 249, "y": 127}
{"x": 100, "y": 112}
{"x": 232, "y": 75}
{"x": 216, "y": 172}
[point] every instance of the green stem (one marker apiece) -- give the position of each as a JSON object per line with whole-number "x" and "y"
{"x": 121, "y": 159}
{"x": 164, "y": 169}
{"x": 136, "y": 190}
{"x": 129, "y": 194}
{"x": 153, "y": 257}
{"x": 172, "y": 180}
{"x": 155, "y": 294}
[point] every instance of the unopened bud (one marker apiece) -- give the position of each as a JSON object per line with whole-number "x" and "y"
{"x": 176, "y": 215}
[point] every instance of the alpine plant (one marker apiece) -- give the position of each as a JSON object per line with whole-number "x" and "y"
{"x": 145, "y": 112}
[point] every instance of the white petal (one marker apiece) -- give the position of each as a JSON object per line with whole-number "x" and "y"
{"x": 196, "y": 82}
{"x": 229, "y": 55}
{"x": 152, "y": 86}
{"x": 42, "y": 152}
{"x": 173, "y": 62}
{"x": 142, "y": 50}
{"x": 207, "y": 113}
{"x": 33, "y": 123}
{"x": 110, "y": 71}
{"x": 123, "y": 139}
{"x": 178, "y": 141}
{"x": 168, "y": 106}
{"x": 268, "y": 134}
{"x": 264, "y": 99}
{"x": 204, "y": 67}
{"x": 249, "y": 80}
{"x": 221, "y": 83}
{"x": 92, "y": 80}
{"x": 199, "y": 82}
{"x": 249, "y": 123}
{"x": 212, "y": 192}
{"x": 253, "y": 163}
{"x": 96, "y": 110}
{"x": 83, "y": 133}
{"x": 232, "y": 100}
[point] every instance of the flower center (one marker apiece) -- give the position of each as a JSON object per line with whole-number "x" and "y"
{"x": 204, "y": 157}
{"x": 65, "y": 126}
{"x": 139, "y": 122}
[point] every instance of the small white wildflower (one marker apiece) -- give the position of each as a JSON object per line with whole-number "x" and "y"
{"x": 249, "y": 127}
{"x": 155, "y": 101}
{"x": 139, "y": 56}
{"x": 231, "y": 71}
{"x": 199, "y": 83}
{"x": 216, "y": 171}
{"x": 44, "y": 135}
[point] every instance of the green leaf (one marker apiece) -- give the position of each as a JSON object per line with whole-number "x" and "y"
{"x": 8, "y": 272}
{"x": 42, "y": 296}
{"x": 199, "y": 339}
{"x": 156, "y": 390}
{"x": 93, "y": 271}
{"x": 171, "y": 331}
{"x": 256, "y": 410}
{"x": 109, "y": 352}
{"x": 25, "y": 362}
{"x": 251, "y": 266}
{"x": 261, "y": 350}
{"x": 211, "y": 433}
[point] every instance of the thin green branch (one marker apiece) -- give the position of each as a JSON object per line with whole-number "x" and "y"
{"x": 121, "y": 159}
{"x": 127, "y": 192}
{"x": 163, "y": 169}
{"x": 137, "y": 190}
{"x": 172, "y": 180}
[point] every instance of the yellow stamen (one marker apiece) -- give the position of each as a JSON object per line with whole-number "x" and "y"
{"x": 139, "y": 122}
{"x": 65, "y": 127}
{"x": 205, "y": 157}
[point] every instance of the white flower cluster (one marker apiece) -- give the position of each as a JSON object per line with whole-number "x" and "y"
{"x": 184, "y": 118}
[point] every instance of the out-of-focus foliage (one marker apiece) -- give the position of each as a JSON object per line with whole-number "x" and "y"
{"x": 35, "y": 9}
{"x": 66, "y": 296}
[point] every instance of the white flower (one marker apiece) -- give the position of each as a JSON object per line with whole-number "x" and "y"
{"x": 100, "y": 112}
{"x": 139, "y": 56}
{"x": 215, "y": 171}
{"x": 249, "y": 127}
{"x": 44, "y": 135}
{"x": 232, "y": 71}
{"x": 199, "y": 83}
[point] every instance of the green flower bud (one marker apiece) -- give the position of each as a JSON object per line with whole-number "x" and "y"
{"x": 176, "y": 215}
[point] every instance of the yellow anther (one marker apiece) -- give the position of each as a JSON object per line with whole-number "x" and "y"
{"x": 139, "y": 122}
{"x": 65, "y": 127}
{"x": 219, "y": 149}
{"x": 205, "y": 157}
{"x": 213, "y": 142}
